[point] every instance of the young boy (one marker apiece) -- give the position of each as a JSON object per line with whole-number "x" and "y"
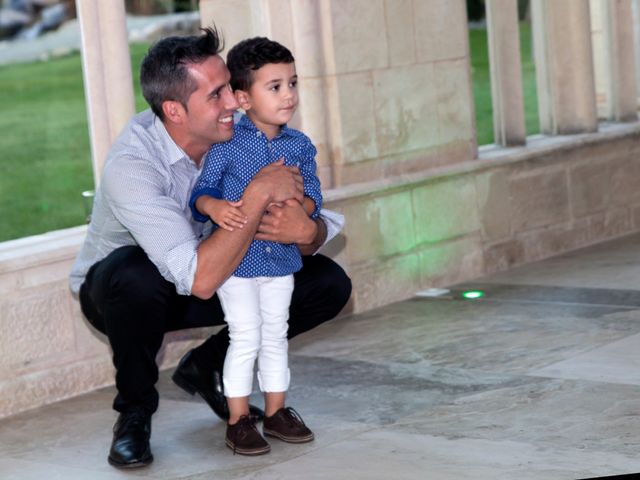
{"x": 256, "y": 298}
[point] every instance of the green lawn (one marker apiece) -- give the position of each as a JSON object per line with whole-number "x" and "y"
{"x": 45, "y": 162}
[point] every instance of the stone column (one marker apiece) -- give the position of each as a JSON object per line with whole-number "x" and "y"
{"x": 300, "y": 28}
{"x": 619, "y": 52}
{"x": 635, "y": 5}
{"x": 106, "y": 66}
{"x": 234, "y": 19}
{"x": 506, "y": 72}
{"x": 564, "y": 66}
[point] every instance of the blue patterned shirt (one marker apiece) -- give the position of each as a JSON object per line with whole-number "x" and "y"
{"x": 228, "y": 169}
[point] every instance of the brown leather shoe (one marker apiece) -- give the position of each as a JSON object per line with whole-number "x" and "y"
{"x": 244, "y": 438}
{"x": 287, "y": 425}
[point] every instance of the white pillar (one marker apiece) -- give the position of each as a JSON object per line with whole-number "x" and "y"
{"x": 106, "y": 66}
{"x": 619, "y": 52}
{"x": 635, "y": 5}
{"x": 506, "y": 72}
{"x": 564, "y": 66}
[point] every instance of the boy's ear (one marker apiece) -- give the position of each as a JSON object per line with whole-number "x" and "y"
{"x": 172, "y": 110}
{"x": 243, "y": 99}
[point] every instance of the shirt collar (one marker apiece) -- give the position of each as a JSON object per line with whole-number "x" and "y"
{"x": 173, "y": 150}
{"x": 246, "y": 123}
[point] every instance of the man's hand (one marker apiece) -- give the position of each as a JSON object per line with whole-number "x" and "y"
{"x": 289, "y": 223}
{"x": 276, "y": 183}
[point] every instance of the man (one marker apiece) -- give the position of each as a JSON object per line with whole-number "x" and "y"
{"x": 147, "y": 268}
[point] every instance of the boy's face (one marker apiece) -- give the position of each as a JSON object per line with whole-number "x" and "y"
{"x": 272, "y": 99}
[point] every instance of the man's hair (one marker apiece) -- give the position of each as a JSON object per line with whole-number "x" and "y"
{"x": 249, "y": 55}
{"x": 164, "y": 74}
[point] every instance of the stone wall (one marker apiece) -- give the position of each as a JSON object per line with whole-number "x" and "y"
{"x": 385, "y": 85}
{"x": 48, "y": 351}
{"x": 403, "y": 234}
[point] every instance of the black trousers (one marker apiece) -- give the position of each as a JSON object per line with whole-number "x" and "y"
{"x": 125, "y": 297}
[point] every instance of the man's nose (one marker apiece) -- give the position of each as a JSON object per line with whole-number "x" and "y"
{"x": 231, "y": 103}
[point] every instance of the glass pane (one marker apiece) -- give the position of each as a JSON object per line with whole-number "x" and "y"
{"x": 45, "y": 160}
{"x": 45, "y": 157}
{"x": 529, "y": 86}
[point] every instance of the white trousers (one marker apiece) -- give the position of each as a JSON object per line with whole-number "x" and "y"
{"x": 257, "y": 311}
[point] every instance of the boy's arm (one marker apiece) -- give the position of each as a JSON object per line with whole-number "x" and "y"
{"x": 309, "y": 205}
{"x": 308, "y": 168}
{"x": 224, "y": 213}
{"x": 208, "y": 184}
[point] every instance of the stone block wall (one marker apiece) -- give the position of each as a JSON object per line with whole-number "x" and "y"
{"x": 48, "y": 351}
{"x": 508, "y": 208}
{"x": 385, "y": 85}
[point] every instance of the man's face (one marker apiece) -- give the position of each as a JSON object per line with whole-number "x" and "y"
{"x": 211, "y": 105}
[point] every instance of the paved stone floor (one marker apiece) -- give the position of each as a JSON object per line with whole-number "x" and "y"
{"x": 539, "y": 379}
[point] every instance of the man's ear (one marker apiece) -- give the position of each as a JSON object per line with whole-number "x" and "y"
{"x": 243, "y": 99}
{"x": 173, "y": 111}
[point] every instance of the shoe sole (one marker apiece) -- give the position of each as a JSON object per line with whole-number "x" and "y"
{"x": 284, "y": 438}
{"x": 139, "y": 464}
{"x": 247, "y": 452}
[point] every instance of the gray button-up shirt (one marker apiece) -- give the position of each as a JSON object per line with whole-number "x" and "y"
{"x": 143, "y": 199}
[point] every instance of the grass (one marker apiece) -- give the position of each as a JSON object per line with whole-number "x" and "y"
{"x": 482, "y": 83}
{"x": 46, "y": 161}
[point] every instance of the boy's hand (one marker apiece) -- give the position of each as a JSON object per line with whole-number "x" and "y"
{"x": 227, "y": 214}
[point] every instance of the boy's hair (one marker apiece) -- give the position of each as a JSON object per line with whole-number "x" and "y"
{"x": 164, "y": 74}
{"x": 251, "y": 54}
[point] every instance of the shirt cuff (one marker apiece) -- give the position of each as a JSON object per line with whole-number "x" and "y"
{"x": 212, "y": 192}
{"x": 334, "y": 222}
{"x": 182, "y": 262}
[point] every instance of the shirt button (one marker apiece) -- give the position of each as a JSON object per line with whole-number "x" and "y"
{"x": 268, "y": 249}
{"x": 257, "y": 134}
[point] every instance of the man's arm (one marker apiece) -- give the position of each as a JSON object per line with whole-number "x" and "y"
{"x": 220, "y": 254}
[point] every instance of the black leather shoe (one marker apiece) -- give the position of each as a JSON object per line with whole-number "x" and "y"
{"x": 192, "y": 379}
{"x": 130, "y": 447}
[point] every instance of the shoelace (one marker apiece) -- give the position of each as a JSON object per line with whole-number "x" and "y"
{"x": 293, "y": 417}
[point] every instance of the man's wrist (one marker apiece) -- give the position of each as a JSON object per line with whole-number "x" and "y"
{"x": 317, "y": 235}
{"x": 253, "y": 193}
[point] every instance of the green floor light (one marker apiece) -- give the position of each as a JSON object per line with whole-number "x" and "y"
{"x": 473, "y": 294}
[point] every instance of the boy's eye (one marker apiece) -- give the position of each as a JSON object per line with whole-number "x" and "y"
{"x": 293, "y": 84}
{"x": 275, "y": 88}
